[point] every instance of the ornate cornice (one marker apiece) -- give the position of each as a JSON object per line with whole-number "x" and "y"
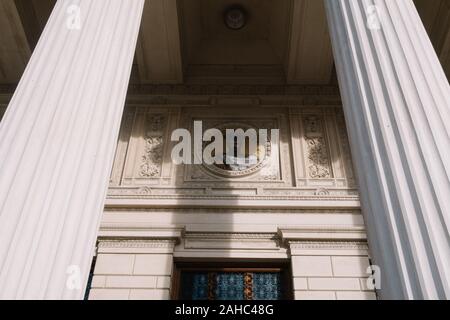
{"x": 284, "y": 194}
{"x": 233, "y": 236}
{"x": 206, "y": 210}
{"x": 139, "y": 244}
{"x": 334, "y": 245}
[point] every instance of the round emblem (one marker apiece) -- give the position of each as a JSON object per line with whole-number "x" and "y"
{"x": 235, "y": 18}
{"x": 233, "y": 166}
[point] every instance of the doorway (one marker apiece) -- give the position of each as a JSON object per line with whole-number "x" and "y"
{"x": 228, "y": 281}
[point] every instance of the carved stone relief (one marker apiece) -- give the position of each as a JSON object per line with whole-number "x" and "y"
{"x": 262, "y": 156}
{"x": 318, "y": 156}
{"x": 266, "y": 170}
{"x": 151, "y": 160}
{"x": 312, "y": 139}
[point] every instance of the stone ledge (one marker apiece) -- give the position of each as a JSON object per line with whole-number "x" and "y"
{"x": 321, "y": 232}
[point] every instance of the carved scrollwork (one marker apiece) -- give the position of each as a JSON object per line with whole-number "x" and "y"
{"x": 152, "y": 157}
{"x": 322, "y": 192}
{"x": 317, "y": 149}
{"x": 318, "y": 158}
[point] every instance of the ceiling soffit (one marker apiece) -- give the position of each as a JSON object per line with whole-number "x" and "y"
{"x": 284, "y": 42}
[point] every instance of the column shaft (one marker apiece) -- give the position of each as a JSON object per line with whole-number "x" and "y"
{"x": 57, "y": 141}
{"x": 396, "y": 101}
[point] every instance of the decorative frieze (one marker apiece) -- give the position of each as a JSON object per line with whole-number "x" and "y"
{"x": 320, "y": 152}
{"x": 144, "y": 169}
{"x": 128, "y": 244}
{"x": 136, "y": 246}
{"x": 334, "y": 245}
{"x": 318, "y": 155}
{"x": 238, "y": 210}
{"x": 233, "y": 236}
{"x": 232, "y": 193}
{"x": 154, "y": 146}
{"x": 146, "y": 153}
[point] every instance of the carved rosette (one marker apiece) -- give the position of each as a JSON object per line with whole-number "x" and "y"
{"x": 152, "y": 157}
{"x": 318, "y": 156}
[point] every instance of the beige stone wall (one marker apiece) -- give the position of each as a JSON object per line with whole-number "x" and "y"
{"x": 130, "y": 270}
{"x": 329, "y": 261}
{"x": 301, "y": 208}
{"x": 337, "y": 275}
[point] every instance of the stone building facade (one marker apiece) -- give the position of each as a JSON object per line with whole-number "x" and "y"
{"x": 351, "y": 202}
{"x": 300, "y": 208}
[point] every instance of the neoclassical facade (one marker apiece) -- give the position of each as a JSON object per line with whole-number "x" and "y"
{"x": 351, "y": 202}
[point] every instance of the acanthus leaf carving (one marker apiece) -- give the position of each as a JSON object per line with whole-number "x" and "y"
{"x": 152, "y": 157}
{"x": 317, "y": 149}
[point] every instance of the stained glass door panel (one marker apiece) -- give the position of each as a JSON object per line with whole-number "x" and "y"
{"x": 231, "y": 286}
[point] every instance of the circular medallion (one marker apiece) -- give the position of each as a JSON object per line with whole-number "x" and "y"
{"x": 231, "y": 165}
{"x": 235, "y": 18}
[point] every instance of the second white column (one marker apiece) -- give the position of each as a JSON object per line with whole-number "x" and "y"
{"x": 396, "y": 101}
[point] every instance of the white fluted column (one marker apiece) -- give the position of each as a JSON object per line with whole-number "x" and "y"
{"x": 57, "y": 141}
{"x": 396, "y": 102}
